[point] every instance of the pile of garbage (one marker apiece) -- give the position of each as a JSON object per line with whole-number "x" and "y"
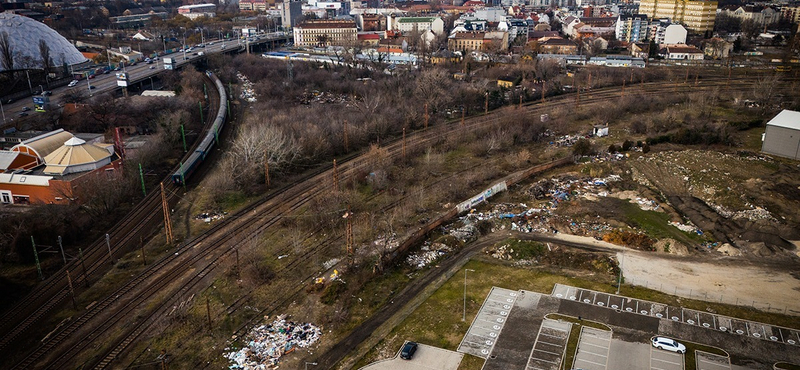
{"x": 427, "y": 255}
{"x": 248, "y": 94}
{"x": 267, "y": 343}
{"x": 466, "y": 233}
{"x": 322, "y": 97}
{"x": 752, "y": 214}
{"x": 210, "y": 216}
{"x": 686, "y": 228}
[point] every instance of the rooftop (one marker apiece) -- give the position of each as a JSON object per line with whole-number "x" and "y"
{"x": 786, "y": 119}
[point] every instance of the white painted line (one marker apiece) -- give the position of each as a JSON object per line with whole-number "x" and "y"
{"x": 591, "y": 362}
{"x": 669, "y": 362}
{"x": 543, "y": 360}
{"x": 551, "y": 344}
{"x": 595, "y": 345}
{"x": 541, "y": 350}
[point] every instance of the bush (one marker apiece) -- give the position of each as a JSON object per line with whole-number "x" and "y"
{"x": 612, "y": 148}
{"x": 332, "y": 292}
{"x": 583, "y": 147}
{"x": 626, "y": 146}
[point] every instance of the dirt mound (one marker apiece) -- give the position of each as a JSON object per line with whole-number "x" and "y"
{"x": 729, "y": 250}
{"x": 671, "y": 246}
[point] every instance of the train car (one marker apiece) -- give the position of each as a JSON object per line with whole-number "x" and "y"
{"x": 209, "y": 139}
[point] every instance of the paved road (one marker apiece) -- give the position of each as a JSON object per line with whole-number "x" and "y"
{"x": 426, "y": 358}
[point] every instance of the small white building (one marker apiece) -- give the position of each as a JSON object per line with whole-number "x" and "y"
{"x": 782, "y": 136}
{"x": 600, "y": 130}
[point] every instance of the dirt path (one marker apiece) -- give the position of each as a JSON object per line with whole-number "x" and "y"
{"x": 734, "y": 281}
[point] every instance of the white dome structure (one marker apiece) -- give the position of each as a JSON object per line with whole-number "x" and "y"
{"x": 24, "y": 35}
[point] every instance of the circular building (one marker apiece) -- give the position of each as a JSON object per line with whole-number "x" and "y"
{"x": 24, "y": 35}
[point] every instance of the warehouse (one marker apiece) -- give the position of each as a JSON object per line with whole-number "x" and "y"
{"x": 782, "y": 137}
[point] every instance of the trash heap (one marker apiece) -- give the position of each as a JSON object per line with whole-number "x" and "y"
{"x": 690, "y": 228}
{"x": 210, "y": 216}
{"x": 248, "y": 93}
{"x": 429, "y": 253}
{"x": 322, "y": 97}
{"x": 752, "y": 214}
{"x": 265, "y": 344}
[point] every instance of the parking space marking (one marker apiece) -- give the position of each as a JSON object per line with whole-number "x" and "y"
{"x": 549, "y": 358}
{"x": 488, "y": 323}
{"x": 593, "y": 349}
{"x": 726, "y": 324}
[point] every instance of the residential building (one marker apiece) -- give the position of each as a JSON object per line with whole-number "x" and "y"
{"x": 717, "y": 48}
{"x": 697, "y": 15}
{"x": 791, "y": 13}
{"x": 782, "y": 135}
{"x": 469, "y": 41}
{"x": 418, "y": 24}
{"x": 639, "y": 49}
{"x": 197, "y": 11}
{"x": 325, "y": 32}
{"x": 761, "y": 15}
{"x": 663, "y": 32}
{"x": 558, "y": 46}
{"x": 253, "y": 5}
{"x": 681, "y": 52}
{"x": 371, "y": 22}
{"x": 631, "y": 28}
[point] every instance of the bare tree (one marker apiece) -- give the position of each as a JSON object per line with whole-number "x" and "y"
{"x": 44, "y": 53}
{"x": 6, "y": 52}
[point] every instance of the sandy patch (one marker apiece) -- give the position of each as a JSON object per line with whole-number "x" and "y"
{"x": 766, "y": 289}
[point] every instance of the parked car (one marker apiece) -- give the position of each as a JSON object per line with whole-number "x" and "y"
{"x": 25, "y": 109}
{"x": 47, "y": 93}
{"x": 23, "y": 114}
{"x": 668, "y": 345}
{"x": 92, "y": 87}
{"x": 408, "y": 350}
{"x": 73, "y": 83}
{"x": 91, "y": 77}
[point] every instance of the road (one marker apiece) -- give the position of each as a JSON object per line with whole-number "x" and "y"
{"x": 103, "y": 83}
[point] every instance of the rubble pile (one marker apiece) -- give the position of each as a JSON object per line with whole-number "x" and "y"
{"x": 265, "y": 344}
{"x": 752, "y": 214}
{"x": 248, "y": 94}
{"x": 466, "y": 233}
{"x": 210, "y": 216}
{"x": 428, "y": 254}
{"x": 503, "y": 252}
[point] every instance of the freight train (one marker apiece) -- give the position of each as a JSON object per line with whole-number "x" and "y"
{"x": 208, "y": 140}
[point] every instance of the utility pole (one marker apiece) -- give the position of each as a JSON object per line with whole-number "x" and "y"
{"x": 590, "y": 79}
{"x": 520, "y": 101}
{"x": 108, "y": 244}
{"x": 578, "y": 97}
{"x": 208, "y": 312}
{"x": 344, "y": 134}
{"x": 266, "y": 169}
{"x": 141, "y": 177}
{"x": 36, "y": 258}
{"x": 696, "y": 77}
{"x": 426, "y": 115}
{"x": 463, "y": 113}
{"x": 335, "y": 177}
{"x": 71, "y": 290}
{"x": 486, "y": 104}
{"x": 544, "y": 90}
{"x": 404, "y": 143}
{"x": 201, "y": 111}
{"x": 85, "y": 277}
{"x": 686, "y": 79}
{"x": 183, "y": 137}
{"x": 349, "y": 231}
{"x": 61, "y": 246}
{"x": 619, "y": 283}
{"x": 167, "y": 221}
{"x": 623, "y": 88}
{"x": 141, "y": 245}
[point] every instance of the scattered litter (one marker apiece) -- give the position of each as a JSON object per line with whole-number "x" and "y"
{"x": 330, "y": 263}
{"x": 322, "y": 97}
{"x": 265, "y": 344}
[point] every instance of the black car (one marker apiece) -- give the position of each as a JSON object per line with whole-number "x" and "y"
{"x": 23, "y": 114}
{"x": 408, "y": 350}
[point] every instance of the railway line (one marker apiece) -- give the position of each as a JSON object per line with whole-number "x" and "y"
{"x": 123, "y": 237}
{"x": 196, "y": 259}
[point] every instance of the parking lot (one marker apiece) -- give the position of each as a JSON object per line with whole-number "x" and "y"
{"x": 593, "y": 349}
{"x": 426, "y": 358}
{"x": 548, "y": 350}
{"x": 665, "y": 360}
{"x": 482, "y": 334}
{"x": 678, "y": 314}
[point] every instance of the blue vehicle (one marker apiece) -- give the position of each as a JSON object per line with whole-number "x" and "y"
{"x": 207, "y": 143}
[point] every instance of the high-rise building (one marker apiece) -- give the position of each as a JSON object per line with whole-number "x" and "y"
{"x": 631, "y": 28}
{"x": 291, "y": 13}
{"x": 696, "y": 15}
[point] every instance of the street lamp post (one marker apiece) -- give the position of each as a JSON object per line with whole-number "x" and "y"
{"x": 310, "y": 363}
{"x": 619, "y": 282}
{"x": 464, "y": 317}
{"x": 3, "y": 111}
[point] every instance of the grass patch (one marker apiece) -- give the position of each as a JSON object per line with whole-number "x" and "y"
{"x": 574, "y": 335}
{"x": 470, "y": 362}
{"x": 524, "y": 249}
{"x": 437, "y": 321}
{"x": 655, "y": 224}
{"x": 690, "y": 357}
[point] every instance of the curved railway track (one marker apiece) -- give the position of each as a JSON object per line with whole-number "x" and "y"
{"x": 203, "y": 253}
{"x": 124, "y": 236}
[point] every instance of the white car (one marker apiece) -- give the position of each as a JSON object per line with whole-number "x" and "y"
{"x": 668, "y": 345}
{"x": 73, "y": 83}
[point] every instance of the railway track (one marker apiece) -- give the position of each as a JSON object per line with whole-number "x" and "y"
{"x": 212, "y": 246}
{"x": 125, "y": 235}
